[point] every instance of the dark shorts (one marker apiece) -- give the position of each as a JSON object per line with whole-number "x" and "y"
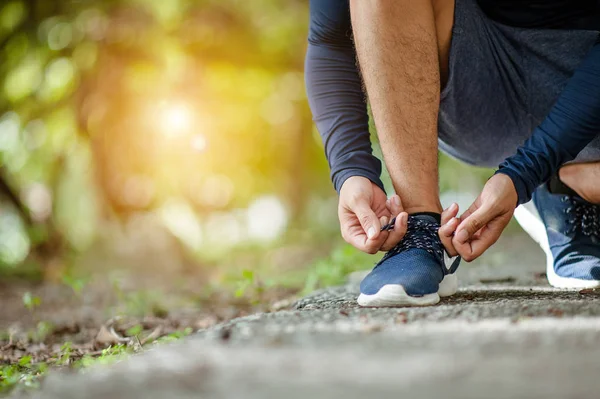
{"x": 502, "y": 83}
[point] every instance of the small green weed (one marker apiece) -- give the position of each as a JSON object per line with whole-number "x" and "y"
{"x": 110, "y": 355}
{"x": 76, "y": 284}
{"x": 175, "y": 336}
{"x": 31, "y": 301}
{"x": 23, "y": 373}
{"x": 65, "y": 354}
{"x": 334, "y": 269}
{"x": 41, "y": 332}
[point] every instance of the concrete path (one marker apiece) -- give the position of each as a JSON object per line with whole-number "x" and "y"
{"x": 502, "y": 336}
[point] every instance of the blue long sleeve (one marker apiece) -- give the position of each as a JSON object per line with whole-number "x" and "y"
{"x": 335, "y": 94}
{"x": 573, "y": 122}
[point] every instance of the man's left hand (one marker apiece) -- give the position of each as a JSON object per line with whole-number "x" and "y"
{"x": 484, "y": 221}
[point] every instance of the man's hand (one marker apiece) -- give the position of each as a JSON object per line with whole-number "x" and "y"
{"x": 482, "y": 224}
{"x": 363, "y": 209}
{"x": 449, "y": 224}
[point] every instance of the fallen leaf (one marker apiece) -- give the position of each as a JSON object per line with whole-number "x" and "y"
{"x": 154, "y": 335}
{"x": 108, "y": 336}
{"x": 590, "y": 291}
{"x": 282, "y": 304}
{"x": 206, "y": 322}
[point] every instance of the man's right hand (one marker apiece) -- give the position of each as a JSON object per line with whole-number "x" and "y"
{"x": 363, "y": 209}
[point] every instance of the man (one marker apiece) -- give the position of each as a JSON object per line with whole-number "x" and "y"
{"x": 515, "y": 82}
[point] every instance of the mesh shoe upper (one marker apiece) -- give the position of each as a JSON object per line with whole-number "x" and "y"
{"x": 416, "y": 263}
{"x": 573, "y": 228}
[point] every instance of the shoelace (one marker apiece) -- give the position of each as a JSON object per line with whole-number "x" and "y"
{"x": 421, "y": 234}
{"x": 583, "y": 217}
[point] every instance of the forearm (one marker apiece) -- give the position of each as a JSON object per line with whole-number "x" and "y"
{"x": 335, "y": 94}
{"x": 398, "y": 55}
{"x": 573, "y": 122}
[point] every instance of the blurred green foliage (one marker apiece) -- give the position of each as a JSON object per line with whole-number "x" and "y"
{"x": 191, "y": 111}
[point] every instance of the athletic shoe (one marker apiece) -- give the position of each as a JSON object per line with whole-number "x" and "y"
{"x": 568, "y": 230}
{"x": 414, "y": 272}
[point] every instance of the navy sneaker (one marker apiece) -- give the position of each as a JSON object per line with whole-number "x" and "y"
{"x": 414, "y": 272}
{"x": 568, "y": 230}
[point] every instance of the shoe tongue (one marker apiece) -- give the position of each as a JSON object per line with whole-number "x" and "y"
{"x": 428, "y": 217}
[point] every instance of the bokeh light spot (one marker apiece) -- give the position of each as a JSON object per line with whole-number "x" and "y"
{"x": 267, "y": 218}
{"x": 9, "y": 132}
{"x": 60, "y": 36}
{"x": 224, "y": 229}
{"x": 24, "y": 80}
{"x": 217, "y": 191}
{"x": 60, "y": 75}
{"x": 181, "y": 221}
{"x": 12, "y": 14}
{"x": 198, "y": 142}
{"x": 14, "y": 242}
{"x": 39, "y": 201}
{"x": 175, "y": 119}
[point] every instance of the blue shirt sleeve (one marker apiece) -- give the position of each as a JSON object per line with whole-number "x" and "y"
{"x": 573, "y": 122}
{"x": 335, "y": 93}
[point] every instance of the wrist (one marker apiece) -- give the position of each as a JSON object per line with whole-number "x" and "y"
{"x": 340, "y": 179}
{"x": 508, "y": 188}
{"x": 515, "y": 185}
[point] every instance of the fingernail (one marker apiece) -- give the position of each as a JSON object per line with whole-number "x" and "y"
{"x": 404, "y": 218}
{"x": 462, "y": 236}
{"x": 371, "y": 232}
{"x": 383, "y": 220}
{"x": 396, "y": 200}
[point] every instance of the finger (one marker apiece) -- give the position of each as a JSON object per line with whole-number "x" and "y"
{"x": 395, "y": 205}
{"x": 473, "y": 223}
{"x": 473, "y": 235}
{"x": 397, "y": 233}
{"x": 359, "y": 239}
{"x": 368, "y": 220}
{"x": 446, "y": 233}
{"x": 383, "y": 220}
{"x": 356, "y": 237}
{"x": 486, "y": 238}
{"x": 449, "y": 223}
{"x": 468, "y": 212}
{"x": 449, "y": 213}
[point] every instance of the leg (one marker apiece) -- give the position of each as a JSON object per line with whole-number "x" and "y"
{"x": 399, "y": 54}
{"x": 402, "y": 48}
{"x": 583, "y": 178}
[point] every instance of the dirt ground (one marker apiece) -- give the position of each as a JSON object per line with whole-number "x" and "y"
{"x": 37, "y": 319}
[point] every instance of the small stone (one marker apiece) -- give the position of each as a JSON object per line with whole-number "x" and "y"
{"x": 225, "y": 334}
{"x": 401, "y": 318}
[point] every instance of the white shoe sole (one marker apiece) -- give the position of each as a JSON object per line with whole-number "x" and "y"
{"x": 392, "y": 295}
{"x": 530, "y": 221}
